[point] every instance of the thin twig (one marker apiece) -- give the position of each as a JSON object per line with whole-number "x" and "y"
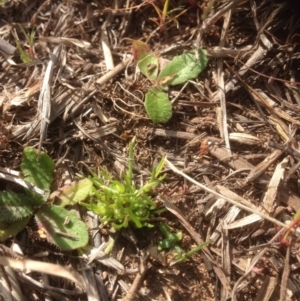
{"x": 237, "y": 204}
{"x": 131, "y": 294}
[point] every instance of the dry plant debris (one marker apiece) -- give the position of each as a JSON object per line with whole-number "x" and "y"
{"x": 69, "y": 87}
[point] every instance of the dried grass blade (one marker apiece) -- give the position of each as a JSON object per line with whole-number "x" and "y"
{"x": 260, "y": 168}
{"x": 270, "y": 105}
{"x": 16, "y": 290}
{"x": 66, "y": 41}
{"x": 245, "y": 221}
{"x": 251, "y": 266}
{"x": 89, "y": 275}
{"x": 44, "y": 102}
{"x": 267, "y": 289}
{"x": 273, "y": 186}
{"x": 285, "y": 275}
{"x": 5, "y": 288}
{"x": 269, "y": 199}
{"x": 231, "y": 215}
{"x": 43, "y": 267}
{"x": 257, "y": 56}
{"x": 226, "y": 252}
{"x": 220, "y": 73}
{"x": 226, "y": 52}
{"x": 109, "y": 62}
{"x": 281, "y": 128}
{"x": 244, "y": 138}
{"x": 238, "y": 163}
{"x": 225, "y": 193}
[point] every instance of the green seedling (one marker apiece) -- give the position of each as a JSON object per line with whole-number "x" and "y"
{"x": 181, "y": 69}
{"x": 121, "y": 202}
{"x": 56, "y": 224}
{"x": 170, "y": 242}
{"x": 26, "y": 57}
{"x": 181, "y": 257}
{"x": 164, "y": 15}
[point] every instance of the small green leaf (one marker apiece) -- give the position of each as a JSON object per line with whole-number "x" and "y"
{"x": 37, "y": 169}
{"x": 183, "y": 68}
{"x": 139, "y": 50}
{"x": 158, "y": 106}
{"x": 74, "y": 193}
{"x": 8, "y": 229}
{"x": 149, "y": 66}
{"x": 146, "y": 61}
{"x": 171, "y": 238}
{"x": 62, "y": 227}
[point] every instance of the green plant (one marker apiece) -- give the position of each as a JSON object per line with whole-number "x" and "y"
{"x": 171, "y": 239}
{"x": 57, "y": 224}
{"x": 170, "y": 242}
{"x": 122, "y": 202}
{"x": 181, "y": 69}
{"x": 162, "y": 15}
{"x": 26, "y": 58}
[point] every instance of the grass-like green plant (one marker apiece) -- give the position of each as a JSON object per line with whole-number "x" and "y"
{"x": 56, "y": 224}
{"x": 30, "y": 38}
{"x": 121, "y": 202}
{"x": 171, "y": 243}
{"x": 181, "y": 69}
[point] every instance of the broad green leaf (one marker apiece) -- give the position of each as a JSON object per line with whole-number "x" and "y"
{"x": 74, "y": 193}
{"x": 62, "y": 227}
{"x": 8, "y": 229}
{"x": 37, "y": 169}
{"x": 16, "y": 206}
{"x": 183, "y": 68}
{"x": 158, "y": 106}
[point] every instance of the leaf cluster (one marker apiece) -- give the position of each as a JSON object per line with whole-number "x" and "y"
{"x": 170, "y": 242}
{"x": 56, "y": 224}
{"x": 181, "y": 69}
{"x": 122, "y": 202}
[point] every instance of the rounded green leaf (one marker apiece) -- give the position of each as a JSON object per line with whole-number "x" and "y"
{"x": 183, "y": 68}
{"x": 62, "y": 227}
{"x": 158, "y": 106}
